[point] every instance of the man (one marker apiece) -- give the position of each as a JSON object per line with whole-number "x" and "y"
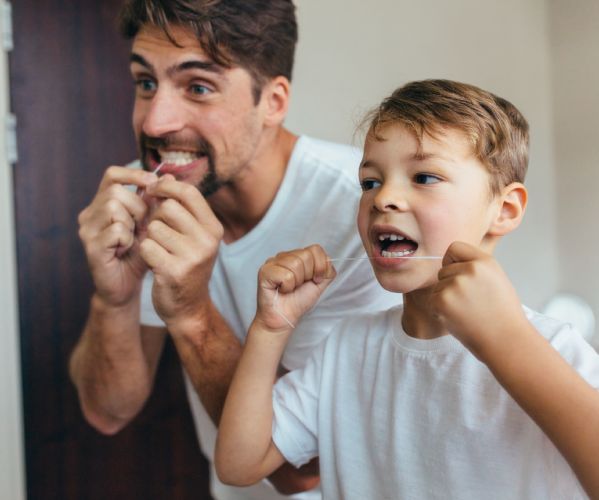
{"x": 233, "y": 188}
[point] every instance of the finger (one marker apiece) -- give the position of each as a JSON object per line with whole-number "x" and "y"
{"x": 323, "y": 268}
{"x": 154, "y": 255}
{"x": 124, "y": 176}
{"x": 114, "y": 204}
{"x": 169, "y": 239}
{"x": 299, "y": 263}
{"x": 174, "y": 215}
{"x": 273, "y": 276}
{"x": 459, "y": 251}
{"x": 452, "y": 270}
{"x": 187, "y": 195}
{"x": 116, "y": 236}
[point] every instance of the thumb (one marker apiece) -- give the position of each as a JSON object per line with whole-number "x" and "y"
{"x": 459, "y": 251}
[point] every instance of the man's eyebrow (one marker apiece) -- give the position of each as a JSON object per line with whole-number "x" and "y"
{"x": 184, "y": 66}
{"x": 136, "y": 58}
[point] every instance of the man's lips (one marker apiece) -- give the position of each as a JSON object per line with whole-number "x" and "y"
{"x": 180, "y": 170}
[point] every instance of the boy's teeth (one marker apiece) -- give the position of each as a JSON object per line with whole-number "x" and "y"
{"x": 392, "y": 237}
{"x": 177, "y": 158}
{"x": 396, "y": 255}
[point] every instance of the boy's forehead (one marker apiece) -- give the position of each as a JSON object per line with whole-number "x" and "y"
{"x": 402, "y": 141}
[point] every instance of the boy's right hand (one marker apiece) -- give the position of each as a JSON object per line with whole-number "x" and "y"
{"x": 107, "y": 231}
{"x": 296, "y": 279}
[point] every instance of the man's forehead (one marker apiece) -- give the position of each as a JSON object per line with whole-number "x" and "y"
{"x": 152, "y": 38}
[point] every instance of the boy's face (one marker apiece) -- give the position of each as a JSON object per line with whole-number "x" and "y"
{"x": 416, "y": 201}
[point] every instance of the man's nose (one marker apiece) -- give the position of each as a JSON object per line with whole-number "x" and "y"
{"x": 165, "y": 114}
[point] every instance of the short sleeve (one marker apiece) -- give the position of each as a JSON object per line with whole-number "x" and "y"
{"x": 295, "y": 406}
{"x": 578, "y": 353}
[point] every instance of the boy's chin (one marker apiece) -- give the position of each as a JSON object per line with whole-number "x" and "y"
{"x": 402, "y": 285}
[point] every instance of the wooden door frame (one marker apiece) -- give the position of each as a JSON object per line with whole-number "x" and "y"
{"x": 12, "y": 481}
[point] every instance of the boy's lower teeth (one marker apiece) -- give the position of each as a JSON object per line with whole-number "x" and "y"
{"x": 395, "y": 255}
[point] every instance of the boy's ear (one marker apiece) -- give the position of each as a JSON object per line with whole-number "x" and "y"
{"x": 275, "y": 95}
{"x": 511, "y": 206}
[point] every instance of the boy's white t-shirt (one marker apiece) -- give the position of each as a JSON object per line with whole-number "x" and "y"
{"x": 316, "y": 203}
{"x": 391, "y": 416}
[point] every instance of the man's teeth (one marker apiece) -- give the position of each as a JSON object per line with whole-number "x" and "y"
{"x": 396, "y": 255}
{"x": 177, "y": 158}
{"x": 392, "y": 237}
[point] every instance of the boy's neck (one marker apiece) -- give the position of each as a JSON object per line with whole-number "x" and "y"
{"x": 418, "y": 319}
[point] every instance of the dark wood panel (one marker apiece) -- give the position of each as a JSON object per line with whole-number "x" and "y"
{"x": 72, "y": 95}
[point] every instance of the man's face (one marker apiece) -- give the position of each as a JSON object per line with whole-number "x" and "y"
{"x": 417, "y": 201}
{"x": 193, "y": 116}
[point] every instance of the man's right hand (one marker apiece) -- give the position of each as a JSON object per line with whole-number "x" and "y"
{"x": 107, "y": 231}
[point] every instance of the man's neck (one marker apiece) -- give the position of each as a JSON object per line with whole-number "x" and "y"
{"x": 242, "y": 204}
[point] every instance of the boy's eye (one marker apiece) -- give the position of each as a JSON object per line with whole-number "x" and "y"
{"x": 426, "y": 179}
{"x": 368, "y": 184}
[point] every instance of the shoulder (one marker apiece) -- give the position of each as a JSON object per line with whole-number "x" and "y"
{"x": 338, "y": 159}
{"x": 571, "y": 345}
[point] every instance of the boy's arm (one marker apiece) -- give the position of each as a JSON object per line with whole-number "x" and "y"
{"x": 288, "y": 286}
{"x": 479, "y": 306}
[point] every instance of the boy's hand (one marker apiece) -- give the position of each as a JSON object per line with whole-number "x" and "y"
{"x": 475, "y": 299}
{"x": 300, "y": 276}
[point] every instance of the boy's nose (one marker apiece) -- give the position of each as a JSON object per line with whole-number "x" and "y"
{"x": 390, "y": 200}
{"x": 164, "y": 115}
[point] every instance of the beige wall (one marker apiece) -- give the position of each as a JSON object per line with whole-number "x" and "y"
{"x": 575, "y": 51}
{"x": 353, "y": 53}
{"x": 11, "y": 443}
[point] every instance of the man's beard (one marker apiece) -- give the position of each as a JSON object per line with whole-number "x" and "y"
{"x": 209, "y": 184}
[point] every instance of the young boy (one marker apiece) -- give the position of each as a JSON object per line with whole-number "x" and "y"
{"x": 462, "y": 392}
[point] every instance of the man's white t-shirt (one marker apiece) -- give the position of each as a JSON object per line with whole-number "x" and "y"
{"x": 316, "y": 203}
{"x": 394, "y": 417}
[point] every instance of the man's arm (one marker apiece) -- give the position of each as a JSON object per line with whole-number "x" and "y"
{"x": 113, "y": 365}
{"x": 480, "y": 307}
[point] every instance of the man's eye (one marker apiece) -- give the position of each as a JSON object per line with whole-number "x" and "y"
{"x": 145, "y": 85}
{"x": 198, "y": 89}
{"x": 368, "y": 184}
{"x": 426, "y": 179}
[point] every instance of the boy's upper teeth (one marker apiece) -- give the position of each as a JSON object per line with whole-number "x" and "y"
{"x": 177, "y": 157}
{"x": 392, "y": 237}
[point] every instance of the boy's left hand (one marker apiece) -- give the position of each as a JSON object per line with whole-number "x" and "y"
{"x": 475, "y": 299}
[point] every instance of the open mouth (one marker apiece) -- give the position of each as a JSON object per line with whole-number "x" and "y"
{"x": 395, "y": 245}
{"x": 173, "y": 161}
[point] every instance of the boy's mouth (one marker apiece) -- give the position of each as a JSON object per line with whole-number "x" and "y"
{"x": 394, "y": 245}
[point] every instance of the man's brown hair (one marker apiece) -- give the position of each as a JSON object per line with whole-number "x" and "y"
{"x": 257, "y": 35}
{"x": 496, "y": 129}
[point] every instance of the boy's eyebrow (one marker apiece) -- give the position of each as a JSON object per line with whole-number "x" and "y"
{"x": 423, "y": 156}
{"x": 184, "y": 66}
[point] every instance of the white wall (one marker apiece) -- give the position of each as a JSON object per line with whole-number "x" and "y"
{"x": 575, "y": 49}
{"x": 353, "y": 53}
{"x": 11, "y": 442}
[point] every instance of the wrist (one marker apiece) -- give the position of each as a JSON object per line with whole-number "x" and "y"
{"x": 102, "y": 305}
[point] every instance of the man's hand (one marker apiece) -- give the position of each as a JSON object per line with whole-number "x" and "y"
{"x": 475, "y": 299}
{"x": 289, "y": 284}
{"x": 107, "y": 231}
{"x": 180, "y": 247}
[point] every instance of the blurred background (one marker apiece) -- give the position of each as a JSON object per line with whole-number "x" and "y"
{"x": 66, "y": 81}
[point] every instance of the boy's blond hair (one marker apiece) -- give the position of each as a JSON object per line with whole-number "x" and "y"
{"x": 496, "y": 129}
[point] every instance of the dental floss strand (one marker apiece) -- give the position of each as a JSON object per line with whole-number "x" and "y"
{"x": 275, "y": 301}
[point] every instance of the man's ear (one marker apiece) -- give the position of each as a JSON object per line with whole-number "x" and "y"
{"x": 275, "y": 95}
{"x": 511, "y": 206}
